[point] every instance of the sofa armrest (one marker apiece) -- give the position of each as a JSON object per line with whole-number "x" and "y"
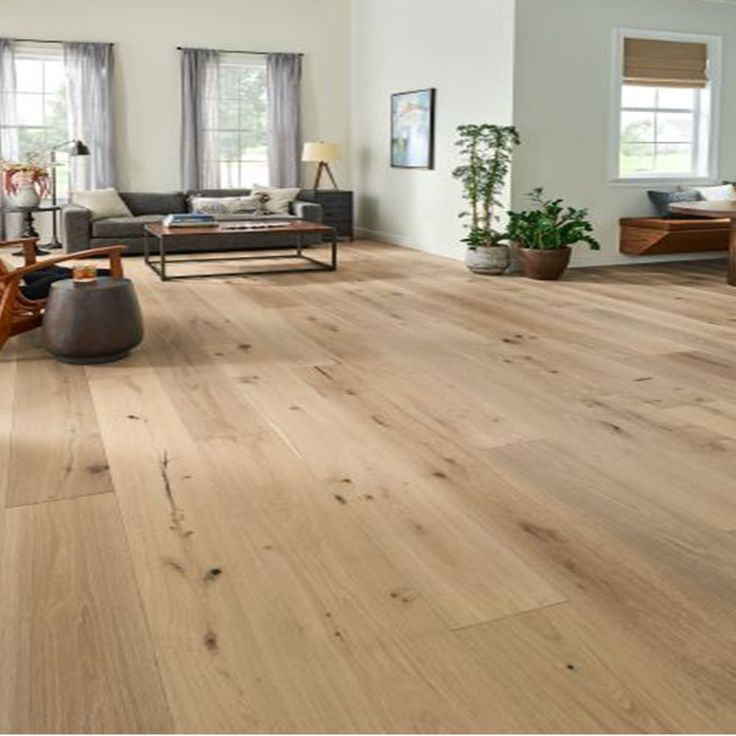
{"x": 76, "y": 227}
{"x": 309, "y": 211}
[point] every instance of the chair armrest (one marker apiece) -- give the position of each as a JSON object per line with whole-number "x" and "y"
{"x": 113, "y": 251}
{"x": 309, "y": 211}
{"x": 27, "y": 244}
{"x": 76, "y": 227}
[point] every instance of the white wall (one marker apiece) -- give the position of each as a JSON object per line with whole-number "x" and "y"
{"x": 563, "y": 61}
{"x": 464, "y": 48}
{"x": 146, "y": 34}
{"x": 545, "y": 64}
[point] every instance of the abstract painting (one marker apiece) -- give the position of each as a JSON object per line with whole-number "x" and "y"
{"x": 412, "y": 129}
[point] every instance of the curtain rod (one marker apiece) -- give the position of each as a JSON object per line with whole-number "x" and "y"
{"x": 45, "y": 40}
{"x": 251, "y": 53}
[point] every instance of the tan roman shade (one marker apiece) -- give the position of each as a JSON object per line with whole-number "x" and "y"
{"x": 665, "y": 63}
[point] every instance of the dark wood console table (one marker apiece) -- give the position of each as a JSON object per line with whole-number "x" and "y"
{"x": 337, "y": 208}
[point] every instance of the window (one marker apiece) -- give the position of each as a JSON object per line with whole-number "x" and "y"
{"x": 666, "y": 86}
{"x": 41, "y": 106}
{"x": 239, "y": 143}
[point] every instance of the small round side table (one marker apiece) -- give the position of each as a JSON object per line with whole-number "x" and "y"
{"x": 29, "y": 229}
{"x": 95, "y": 322}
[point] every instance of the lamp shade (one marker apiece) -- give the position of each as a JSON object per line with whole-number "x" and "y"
{"x": 319, "y": 151}
{"x": 78, "y": 149}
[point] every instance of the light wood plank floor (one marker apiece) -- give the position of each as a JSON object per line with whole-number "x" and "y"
{"x": 396, "y": 498}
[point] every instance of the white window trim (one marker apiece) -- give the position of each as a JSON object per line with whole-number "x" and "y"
{"x": 239, "y": 59}
{"x": 715, "y": 57}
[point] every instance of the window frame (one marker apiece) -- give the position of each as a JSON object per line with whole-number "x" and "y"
{"x": 240, "y": 59}
{"x": 44, "y": 52}
{"x": 706, "y": 134}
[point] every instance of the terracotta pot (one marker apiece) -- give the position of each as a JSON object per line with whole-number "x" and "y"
{"x": 544, "y": 265}
{"x": 492, "y": 260}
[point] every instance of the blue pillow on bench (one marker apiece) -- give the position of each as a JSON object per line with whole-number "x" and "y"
{"x": 663, "y": 200}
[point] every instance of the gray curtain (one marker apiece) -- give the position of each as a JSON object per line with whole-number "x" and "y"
{"x": 8, "y": 136}
{"x": 200, "y": 81}
{"x": 89, "y": 69}
{"x": 284, "y": 119}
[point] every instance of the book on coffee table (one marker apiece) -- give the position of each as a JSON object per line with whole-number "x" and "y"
{"x": 190, "y": 219}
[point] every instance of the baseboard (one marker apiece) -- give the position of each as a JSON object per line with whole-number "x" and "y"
{"x": 404, "y": 242}
{"x": 579, "y": 261}
{"x": 588, "y": 261}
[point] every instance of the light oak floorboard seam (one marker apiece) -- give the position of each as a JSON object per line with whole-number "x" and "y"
{"x": 395, "y": 498}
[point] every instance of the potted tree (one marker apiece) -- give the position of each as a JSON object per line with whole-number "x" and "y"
{"x": 487, "y": 150}
{"x": 544, "y": 235}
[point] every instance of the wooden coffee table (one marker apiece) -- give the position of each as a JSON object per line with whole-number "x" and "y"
{"x": 718, "y": 211}
{"x": 238, "y": 238}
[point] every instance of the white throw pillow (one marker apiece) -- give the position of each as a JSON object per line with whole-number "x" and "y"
{"x": 720, "y": 193}
{"x": 103, "y": 203}
{"x": 223, "y": 205}
{"x": 279, "y": 199}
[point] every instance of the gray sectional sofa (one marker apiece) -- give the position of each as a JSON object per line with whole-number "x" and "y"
{"x": 80, "y": 231}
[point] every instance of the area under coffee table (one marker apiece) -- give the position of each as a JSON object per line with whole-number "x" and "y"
{"x": 229, "y": 240}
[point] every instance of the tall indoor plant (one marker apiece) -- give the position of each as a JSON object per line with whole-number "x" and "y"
{"x": 487, "y": 150}
{"x": 545, "y": 233}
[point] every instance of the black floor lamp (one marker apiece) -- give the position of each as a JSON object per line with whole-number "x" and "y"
{"x": 74, "y": 148}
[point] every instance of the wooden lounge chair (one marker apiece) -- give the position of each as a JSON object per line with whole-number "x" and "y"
{"x": 19, "y": 314}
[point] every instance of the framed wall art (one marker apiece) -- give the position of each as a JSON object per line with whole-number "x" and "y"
{"x": 412, "y": 129}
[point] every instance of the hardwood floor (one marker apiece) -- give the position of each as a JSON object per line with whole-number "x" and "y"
{"x": 397, "y": 498}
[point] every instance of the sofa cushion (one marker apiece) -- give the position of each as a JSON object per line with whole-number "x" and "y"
{"x": 101, "y": 203}
{"x": 122, "y": 227}
{"x": 155, "y": 203}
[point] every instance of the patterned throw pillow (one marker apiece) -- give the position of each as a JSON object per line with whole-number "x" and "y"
{"x": 278, "y": 199}
{"x": 223, "y": 205}
{"x": 720, "y": 193}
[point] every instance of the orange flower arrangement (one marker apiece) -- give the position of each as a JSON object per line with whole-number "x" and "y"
{"x": 20, "y": 174}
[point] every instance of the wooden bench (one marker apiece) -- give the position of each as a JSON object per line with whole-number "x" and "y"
{"x": 657, "y": 235}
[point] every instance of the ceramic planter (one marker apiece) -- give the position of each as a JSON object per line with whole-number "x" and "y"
{"x": 26, "y": 197}
{"x": 493, "y": 260}
{"x": 544, "y": 265}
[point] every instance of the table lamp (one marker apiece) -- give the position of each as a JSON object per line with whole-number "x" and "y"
{"x": 321, "y": 154}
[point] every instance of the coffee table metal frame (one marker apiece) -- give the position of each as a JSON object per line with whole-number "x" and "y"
{"x": 159, "y": 266}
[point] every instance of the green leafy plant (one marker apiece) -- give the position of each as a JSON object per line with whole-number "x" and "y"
{"x": 487, "y": 150}
{"x": 550, "y": 225}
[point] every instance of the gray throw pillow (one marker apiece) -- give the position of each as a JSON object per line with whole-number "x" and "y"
{"x": 663, "y": 200}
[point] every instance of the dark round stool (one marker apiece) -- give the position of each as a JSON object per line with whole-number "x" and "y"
{"x": 95, "y": 322}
